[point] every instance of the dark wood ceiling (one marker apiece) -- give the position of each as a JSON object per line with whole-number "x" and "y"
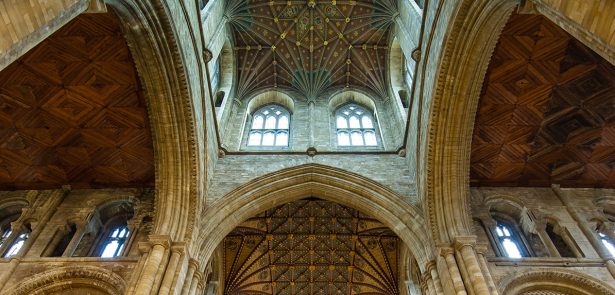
{"x": 547, "y": 111}
{"x": 311, "y": 47}
{"x": 311, "y": 246}
{"x": 72, "y": 112}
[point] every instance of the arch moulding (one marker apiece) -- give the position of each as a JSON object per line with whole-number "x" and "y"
{"x": 63, "y": 278}
{"x": 319, "y": 181}
{"x": 157, "y": 56}
{"x": 547, "y": 279}
{"x": 470, "y": 40}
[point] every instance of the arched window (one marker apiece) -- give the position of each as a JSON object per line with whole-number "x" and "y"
{"x": 608, "y": 244}
{"x": 509, "y": 240}
{"x": 6, "y": 233}
{"x": 355, "y": 126}
{"x": 17, "y": 244}
{"x": 270, "y": 127}
{"x": 115, "y": 241}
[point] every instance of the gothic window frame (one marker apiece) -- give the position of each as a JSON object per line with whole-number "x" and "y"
{"x": 362, "y": 130}
{"x": 264, "y": 112}
{"x": 118, "y": 233}
{"x": 516, "y": 235}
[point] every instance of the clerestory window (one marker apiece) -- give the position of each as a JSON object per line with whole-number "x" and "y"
{"x": 114, "y": 244}
{"x": 6, "y": 233}
{"x": 355, "y": 126}
{"x": 17, "y": 245}
{"x": 509, "y": 240}
{"x": 607, "y": 243}
{"x": 270, "y": 127}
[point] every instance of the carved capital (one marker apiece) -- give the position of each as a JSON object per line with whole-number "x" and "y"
{"x": 162, "y": 240}
{"x": 445, "y": 251}
{"x": 462, "y": 242}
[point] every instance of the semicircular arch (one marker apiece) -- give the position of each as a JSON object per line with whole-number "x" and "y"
{"x": 565, "y": 282}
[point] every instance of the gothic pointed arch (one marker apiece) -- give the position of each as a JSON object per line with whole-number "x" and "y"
{"x": 472, "y": 35}
{"x": 324, "y": 182}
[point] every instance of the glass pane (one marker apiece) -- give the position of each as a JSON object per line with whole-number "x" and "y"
{"x": 370, "y": 139}
{"x": 268, "y": 139}
{"x": 257, "y": 123}
{"x": 512, "y": 251}
{"x": 15, "y": 248}
{"x": 506, "y": 232}
{"x": 283, "y": 122}
{"x": 341, "y": 122}
{"x": 123, "y": 233}
{"x": 367, "y": 122}
{"x": 499, "y": 231}
{"x": 115, "y": 233}
{"x": 354, "y": 122}
{"x": 356, "y": 138}
{"x": 609, "y": 246}
{"x": 270, "y": 122}
{"x": 110, "y": 249}
{"x": 343, "y": 139}
{"x": 281, "y": 139}
{"x": 7, "y": 233}
{"x": 255, "y": 138}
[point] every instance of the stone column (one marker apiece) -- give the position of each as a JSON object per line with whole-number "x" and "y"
{"x": 154, "y": 262}
{"x": 427, "y": 285}
{"x": 546, "y": 240}
{"x": 311, "y": 121}
{"x": 193, "y": 265}
{"x": 197, "y": 279}
{"x": 57, "y": 237}
{"x": 74, "y": 242}
{"x": 481, "y": 250}
{"x": 561, "y": 231}
{"x": 170, "y": 274}
{"x": 465, "y": 248}
{"x": 449, "y": 256}
{"x": 432, "y": 269}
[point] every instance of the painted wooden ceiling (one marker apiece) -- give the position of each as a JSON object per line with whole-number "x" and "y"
{"x": 311, "y": 47}
{"x": 311, "y": 246}
{"x": 547, "y": 111}
{"x": 72, "y": 112}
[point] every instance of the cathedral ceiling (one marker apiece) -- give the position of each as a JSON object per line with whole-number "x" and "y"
{"x": 311, "y": 246}
{"x": 72, "y": 112}
{"x": 547, "y": 111}
{"x": 310, "y": 47}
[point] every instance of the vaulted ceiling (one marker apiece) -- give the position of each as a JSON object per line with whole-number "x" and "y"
{"x": 311, "y": 47}
{"x": 72, "y": 112}
{"x": 547, "y": 111}
{"x": 311, "y": 246}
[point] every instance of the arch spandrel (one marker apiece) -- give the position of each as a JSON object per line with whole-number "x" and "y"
{"x": 324, "y": 182}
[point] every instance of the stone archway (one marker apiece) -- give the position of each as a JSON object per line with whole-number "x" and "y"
{"x": 470, "y": 40}
{"x": 319, "y": 181}
{"x": 75, "y": 279}
{"x": 554, "y": 282}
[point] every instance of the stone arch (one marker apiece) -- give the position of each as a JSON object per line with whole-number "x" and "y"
{"x": 320, "y": 181}
{"x": 470, "y": 40}
{"x": 152, "y": 42}
{"x": 568, "y": 282}
{"x": 270, "y": 97}
{"x": 60, "y": 279}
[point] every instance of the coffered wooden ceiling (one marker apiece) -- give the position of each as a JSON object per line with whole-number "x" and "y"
{"x": 311, "y": 246}
{"x": 311, "y": 46}
{"x": 547, "y": 111}
{"x": 72, "y": 112}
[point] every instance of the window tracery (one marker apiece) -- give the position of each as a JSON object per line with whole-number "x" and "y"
{"x": 270, "y": 127}
{"x": 355, "y": 126}
{"x": 115, "y": 241}
{"x": 509, "y": 240}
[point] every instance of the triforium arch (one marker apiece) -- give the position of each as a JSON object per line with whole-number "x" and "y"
{"x": 324, "y": 182}
{"x": 76, "y": 279}
{"x": 157, "y": 56}
{"x": 471, "y": 38}
{"x": 548, "y": 281}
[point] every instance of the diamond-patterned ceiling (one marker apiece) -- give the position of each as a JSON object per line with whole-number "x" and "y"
{"x": 311, "y": 246}
{"x": 547, "y": 111}
{"x": 310, "y": 47}
{"x": 72, "y": 112}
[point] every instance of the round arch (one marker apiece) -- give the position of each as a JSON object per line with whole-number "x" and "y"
{"x": 154, "y": 48}
{"x": 566, "y": 282}
{"x": 320, "y": 181}
{"x": 55, "y": 281}
{"x": 472, "y": 34}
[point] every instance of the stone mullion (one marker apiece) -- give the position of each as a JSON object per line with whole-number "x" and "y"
{"x": 74, "y": 242}
{"x": 60, "y": 231}
{"x": 546, "y": 240}
{"x": 560, "y": 230}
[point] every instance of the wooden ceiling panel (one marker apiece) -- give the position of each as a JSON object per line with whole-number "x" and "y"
{"x": 547, "y": 111}
{"x": 72, "y": 112}
{"x": 311, "y": 246}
